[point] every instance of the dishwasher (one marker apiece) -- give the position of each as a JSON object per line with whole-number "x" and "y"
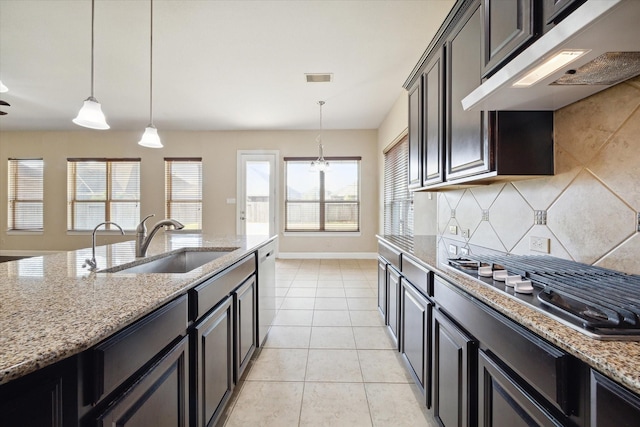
{"x": 266, "y": 289}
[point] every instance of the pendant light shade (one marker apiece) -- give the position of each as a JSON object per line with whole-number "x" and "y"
{"x": 150, "y": 138}
{"x": 3, "y": 88}
{"x": 320, "y": 164}
{"x": 91, "y": 115}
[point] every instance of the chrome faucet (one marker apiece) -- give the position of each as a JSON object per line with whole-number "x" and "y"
{"x": 142, "y": 241}
{"x": 92, "y": 262}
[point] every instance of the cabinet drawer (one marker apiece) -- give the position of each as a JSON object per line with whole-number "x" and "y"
{"x": 209, "y": 293}
{"x": 120, "y": 356}
{"x": 542, "y": 366}
{"x": 419, "y": 276}
{"x": 391, "y": 255}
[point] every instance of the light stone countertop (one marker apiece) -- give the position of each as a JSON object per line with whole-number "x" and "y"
{"x": 618, "y": 360}
{"x": 52, "y": 308}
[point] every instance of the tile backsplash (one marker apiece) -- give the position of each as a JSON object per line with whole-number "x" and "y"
{"x": 589, "y": 210}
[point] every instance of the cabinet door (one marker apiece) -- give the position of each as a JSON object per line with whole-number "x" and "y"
{"x": 246, "y": 332}
{"x": 382, "y": 288}
{"x": 159, "y": 398}
{"x": 503, "y": 402}
{"x": 416, "y": 333}
{"x": 393, "y": 303}
{"x": 453, "y": 373}
{"x": 467, "y": 142}
{"x": 611, "y": 404}
{"x": 213, "y": 379}
{"x": 506, "y": 27}
{"x": 555, "y": 10}
{"x": 433, "y": 122}
{"x": 43, "y": 398}
{"x": 415, "y": 136}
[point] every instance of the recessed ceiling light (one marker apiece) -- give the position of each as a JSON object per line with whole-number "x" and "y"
{"x": 319, "y": 77}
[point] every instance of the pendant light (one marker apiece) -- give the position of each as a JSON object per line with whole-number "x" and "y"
{"x": 150, "y": 136}
{"x": 320, "y": 164}
{"x": 91, "y": 115}
{"x": 3, "y": 88}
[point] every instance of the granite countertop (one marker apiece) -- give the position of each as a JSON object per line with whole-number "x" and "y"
{"x": 619, "y": 360}
{"x": 52, "y": 308}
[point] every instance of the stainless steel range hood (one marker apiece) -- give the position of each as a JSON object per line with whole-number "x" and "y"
{"x": 595, "y": 28}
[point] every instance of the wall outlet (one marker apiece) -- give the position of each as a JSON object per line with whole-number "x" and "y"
{"x": 465, "y": 233}
{"x": 539, "y": 244}
{"x": 453, "y": 229}
{"x": 453, "y": 249}
{"x": 464, "y": 251}
{"x": 231, "y": 201}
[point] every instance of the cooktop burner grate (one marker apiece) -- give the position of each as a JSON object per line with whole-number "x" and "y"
{"x": 596, "y": 298}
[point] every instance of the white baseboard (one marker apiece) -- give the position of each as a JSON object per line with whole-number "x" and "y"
{"x": 328, "y": 255}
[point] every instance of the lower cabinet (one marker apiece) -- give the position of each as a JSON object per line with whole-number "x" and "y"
{"x": 415, "y": 332}
{"x": 245, "y": 298}
{"x": 44, "y": 398}
{"x": 393, "y": 303}
{"x": 212, "y": 343}
{"x": 503, "y": 402}
{"x": 160, "y": 397}
{"x": 382, "y": 288}
{"x": 453, "y": 373}
{"x": 611, "y": 404}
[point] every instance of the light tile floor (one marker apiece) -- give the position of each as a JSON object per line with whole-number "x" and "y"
{"x": 328, "y": 360}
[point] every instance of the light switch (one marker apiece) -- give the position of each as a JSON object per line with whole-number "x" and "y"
{"x": 231, "y": 201}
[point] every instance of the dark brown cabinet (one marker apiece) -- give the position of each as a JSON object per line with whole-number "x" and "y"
{"x": 393, "y": 303}
{"x": 44, "y": 398}
{"x": 160, "y": 397}
{"x": 454, "y": 375}
{"x": 415, "y": 331}
{"x": 433, "y": 119}
{"x": 507, "y": 26}
{"x": 245, "y": 298}
{"x": 611, "y": 404}
{"x": 467, "y": 147}
{"x": 502, "y": 401}
{"x": 213, "y": 374}
{"x": 415, "y": 135}
{"x": 556, "y": 10}
{"x": 382, "y": 288}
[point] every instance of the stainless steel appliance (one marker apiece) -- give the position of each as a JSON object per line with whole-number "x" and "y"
{"x": 601, "y": 303}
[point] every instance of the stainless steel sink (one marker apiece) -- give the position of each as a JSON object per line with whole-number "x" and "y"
{"x": 181, "y": 261}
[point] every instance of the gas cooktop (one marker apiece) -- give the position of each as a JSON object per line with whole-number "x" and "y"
{"x": 601, "y": 303}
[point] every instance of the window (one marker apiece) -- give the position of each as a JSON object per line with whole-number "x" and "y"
{"x": 398, "y": 200}
{"x": 25, "y": 205}
{"x": 323, "y": 201}
{"x": 101, "y": 190}
{"x": 183, "y": 191}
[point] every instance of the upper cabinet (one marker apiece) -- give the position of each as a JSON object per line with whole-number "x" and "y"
{"x": 453, "y": 146}
{"x": 507, "y": 27}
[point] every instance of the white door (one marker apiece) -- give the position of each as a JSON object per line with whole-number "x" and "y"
{"x": 257, "y": 191}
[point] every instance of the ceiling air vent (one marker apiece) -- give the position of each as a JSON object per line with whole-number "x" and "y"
{"x": 607, "y": 69}
{"x": 318, "y": 78}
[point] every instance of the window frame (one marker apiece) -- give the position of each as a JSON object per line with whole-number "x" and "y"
{"x": 13, "y": 189}
{"x": 168, "y": 185}
{"x": 322, "y": 202}
{"x": 72, "y": 193}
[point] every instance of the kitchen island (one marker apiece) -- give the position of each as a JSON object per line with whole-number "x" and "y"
{"x": 52, "y": 308}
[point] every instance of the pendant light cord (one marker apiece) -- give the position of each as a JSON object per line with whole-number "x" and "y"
{"x": 151, "y": 69}
{"x": 93, "y": 7}
{"x": 321, "y": 157}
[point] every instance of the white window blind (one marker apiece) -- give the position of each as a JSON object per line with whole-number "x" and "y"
{"x": 322, "y": 201}
{"x": 398, "y": 200}
{"x": 183, "y": 191}
{"x": 25, "y": 207}
{"x": 101, "y": 190}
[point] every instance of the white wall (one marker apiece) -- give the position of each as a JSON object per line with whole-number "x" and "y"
{"x": 218, "y": 151}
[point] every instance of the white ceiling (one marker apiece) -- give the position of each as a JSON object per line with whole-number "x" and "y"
{"x": 218, "y": 65}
